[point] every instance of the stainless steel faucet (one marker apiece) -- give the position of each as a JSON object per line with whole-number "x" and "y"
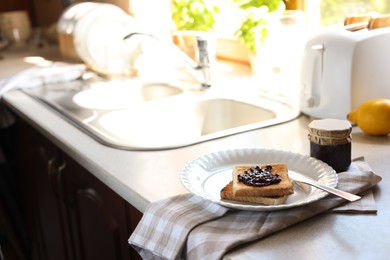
{"x": 199, "y": 69}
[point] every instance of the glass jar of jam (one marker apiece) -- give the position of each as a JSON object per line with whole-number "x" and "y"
{"x": 330, "y": 142}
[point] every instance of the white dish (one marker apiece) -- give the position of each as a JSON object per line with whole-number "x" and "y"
{"x": 98, "y": 38}
{"x": 208, "y": 174}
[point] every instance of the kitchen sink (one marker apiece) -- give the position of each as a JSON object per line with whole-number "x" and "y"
{"x": 129, "y": 115}
{"x": 122, "y": 95}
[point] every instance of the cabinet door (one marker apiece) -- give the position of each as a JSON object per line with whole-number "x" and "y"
{"x": 98, "y": 216}
{"x": 45, "y": 215}
{"x": 70, "y": 213}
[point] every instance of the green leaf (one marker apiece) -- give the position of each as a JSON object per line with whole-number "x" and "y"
{"x": 199, "y": 15}
{"x": 272, "y": 5}
{"x": 253, "y": 30}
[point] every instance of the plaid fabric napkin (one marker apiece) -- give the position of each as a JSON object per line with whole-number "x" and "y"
{"x": 367, "y": 203}
{"x": 189, "y": 227}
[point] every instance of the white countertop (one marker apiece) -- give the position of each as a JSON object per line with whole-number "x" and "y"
{"x": 145, "y": 177}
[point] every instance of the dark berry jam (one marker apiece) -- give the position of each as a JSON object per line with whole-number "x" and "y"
{"x": 258, "y": 177}
{"x": 330, "y": 142}
{"x": 336, "y": 156}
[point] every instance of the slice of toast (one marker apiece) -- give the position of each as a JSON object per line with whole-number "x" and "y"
{"x": 227, "y": 193}
{"x": 269, "y": 195}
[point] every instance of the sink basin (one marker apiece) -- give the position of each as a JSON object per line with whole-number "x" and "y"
{"x": 159, "y": 116}
{"x": 97, "y": 94}
{"x": 121, "y": 94}
{"x": 181, "y": 123}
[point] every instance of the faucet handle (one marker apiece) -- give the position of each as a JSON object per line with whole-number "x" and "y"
{"x": 202, "y": 53}
{"x": 203, "y": 61}
{"x": 202, "y": 43}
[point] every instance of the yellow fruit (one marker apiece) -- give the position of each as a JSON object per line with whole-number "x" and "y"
{"x": 373, "y": 117}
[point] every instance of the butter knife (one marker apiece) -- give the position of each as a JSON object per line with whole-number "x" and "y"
{"x": 343, "y": 194}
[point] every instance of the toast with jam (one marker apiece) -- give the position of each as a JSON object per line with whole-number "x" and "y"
{"x": 264, "y": 184}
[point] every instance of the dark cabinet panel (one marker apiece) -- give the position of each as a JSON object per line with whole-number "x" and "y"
{"x": 12, "y": 5}
{"x": 70, "y": 213}
{"x": 36, "y": 163}
{"x": 97, "y": 214}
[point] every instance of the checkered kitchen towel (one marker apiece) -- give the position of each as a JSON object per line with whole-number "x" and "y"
{"x": 189, "y": 227}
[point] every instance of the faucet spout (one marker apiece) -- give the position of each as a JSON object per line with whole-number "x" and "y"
{"x": 200, "y": 70}
{"x": 204, "y": 62}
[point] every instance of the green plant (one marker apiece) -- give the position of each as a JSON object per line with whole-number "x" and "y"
{"x": 272, "y": 5}
{"x": 253, "y": 30}
{"x": 199, "y": 15}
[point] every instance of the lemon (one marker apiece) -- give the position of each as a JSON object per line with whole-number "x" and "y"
{"x": 373, "y": 117}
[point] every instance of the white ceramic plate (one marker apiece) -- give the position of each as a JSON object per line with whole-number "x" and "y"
{"x": 208, "y": 174}
{"x": 98, "y": 38}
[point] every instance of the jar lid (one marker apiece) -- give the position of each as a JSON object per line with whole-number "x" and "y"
{"x": 330, "y": 131}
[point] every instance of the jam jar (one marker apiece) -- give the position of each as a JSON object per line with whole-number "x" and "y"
{"x": 330, "y": 142}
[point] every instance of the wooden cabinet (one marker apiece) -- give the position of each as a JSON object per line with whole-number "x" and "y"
{"x": 69, "y": 212}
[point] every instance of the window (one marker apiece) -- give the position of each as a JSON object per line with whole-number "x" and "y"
{"x": 334, "y": 11}
{"x": 319, "y": 13}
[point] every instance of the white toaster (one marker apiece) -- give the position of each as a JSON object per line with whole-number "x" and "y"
{"x": 341, "y": 69}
